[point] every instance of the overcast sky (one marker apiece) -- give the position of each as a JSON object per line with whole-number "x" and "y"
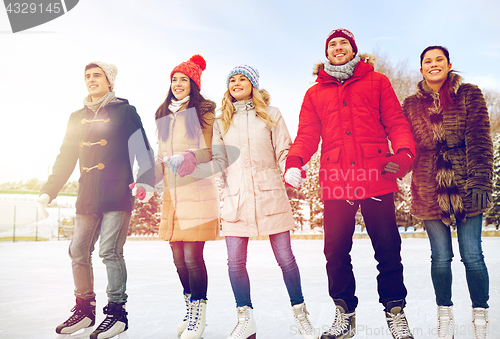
{"x": 41, "y": 69}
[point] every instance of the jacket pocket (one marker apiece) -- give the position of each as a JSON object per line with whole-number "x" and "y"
{"x": 114, "y": 187}
{"x": 376, "y": 156}
{"x": 273, "y": 198}
{"x": 231, "y": 207}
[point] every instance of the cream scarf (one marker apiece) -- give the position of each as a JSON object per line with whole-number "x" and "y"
{"x": 175, "y": 105}
{"x": 96, "y": 105}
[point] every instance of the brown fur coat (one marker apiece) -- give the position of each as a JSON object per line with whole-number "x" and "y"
{"x": 454, "y": 152}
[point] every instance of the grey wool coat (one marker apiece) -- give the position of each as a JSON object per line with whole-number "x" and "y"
{"x": 454, "y": 152}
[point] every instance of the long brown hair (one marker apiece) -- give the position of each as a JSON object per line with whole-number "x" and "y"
{"x": 195, "y": 121}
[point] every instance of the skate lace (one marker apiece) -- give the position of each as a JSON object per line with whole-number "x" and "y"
{"x": 188, "y": 306}
{"x": 242, "y": 324}
{"x": 398, "y": 326}
{"x": 107, "y": 323}
{"x": 444, "y": 322}
{"x": 77, "y": 316}
{"x": 480, "y": 321}
{"x": 302, "y": 320}
{"x": 194, "y": 315}
{"x": 341, "y": 323}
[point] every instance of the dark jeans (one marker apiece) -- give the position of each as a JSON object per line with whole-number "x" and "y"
{"x": 471, "y": 252}
{"x": 188, "y": 259}
{"x": 238, "y": 274}
{"x": 380, "y": 222}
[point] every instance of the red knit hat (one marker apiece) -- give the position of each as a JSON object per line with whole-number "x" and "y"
{"x": 341, "y": 33}
{"x": 192, "y": 68}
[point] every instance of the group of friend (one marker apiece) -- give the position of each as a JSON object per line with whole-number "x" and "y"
{"x": 368, "y": 141}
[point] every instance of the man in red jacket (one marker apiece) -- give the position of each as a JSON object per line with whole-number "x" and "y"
{"x": 354, "y": 111}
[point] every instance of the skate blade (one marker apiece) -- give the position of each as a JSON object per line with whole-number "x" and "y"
{"x": 84, "y": 333}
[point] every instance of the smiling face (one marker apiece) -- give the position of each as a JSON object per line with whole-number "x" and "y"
{"x": 181, "y": 85}
{"x": 240, "y": 87}
{"x": 97, "y": 83}
{"x": 435, "y": 68}
{"x": 340, "y": 51}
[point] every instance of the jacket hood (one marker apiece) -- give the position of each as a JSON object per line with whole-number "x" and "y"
{"x": 266, "y": 96}
{"x": 368, "y": 58}
{"x": 424, "y": 90}
{"x": 207, "y": 106}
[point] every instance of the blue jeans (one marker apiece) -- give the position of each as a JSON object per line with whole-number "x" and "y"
{"x": 188, "y": 259}
{"x": 469, "y": 244}
{"x": 238, "y": 274}
{"x": 112, "y": 227}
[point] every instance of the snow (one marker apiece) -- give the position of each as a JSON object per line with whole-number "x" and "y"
{"x": 36, "y": 290}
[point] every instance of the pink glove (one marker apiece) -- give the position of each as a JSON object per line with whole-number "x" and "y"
{"x": 188, "y": 165}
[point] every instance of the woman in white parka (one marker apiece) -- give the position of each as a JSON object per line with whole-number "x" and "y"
{"x": 249, "y": 147}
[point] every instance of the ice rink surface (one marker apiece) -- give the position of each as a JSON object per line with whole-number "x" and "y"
{"x": 36, "y": 290}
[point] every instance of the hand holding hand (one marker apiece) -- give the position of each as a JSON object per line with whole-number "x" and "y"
{"x": 174, "y": 162}
{"x": 43, "y": 201}
{"x": 188, "y": 165}
{"x": 398, "y": 164}
{"x": 142, "y": 192}
{"x": 294, "y": 177}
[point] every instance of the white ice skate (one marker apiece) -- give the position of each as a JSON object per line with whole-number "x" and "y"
{"x": 83, "y": 333}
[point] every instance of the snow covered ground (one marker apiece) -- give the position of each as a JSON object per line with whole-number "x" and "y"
{"x": 36, "y": 290}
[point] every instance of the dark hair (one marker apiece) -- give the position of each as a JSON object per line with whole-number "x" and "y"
{"x": 443, "y": 49}
{"x": 444, "y": 91}
{"x": 195, "y": 121}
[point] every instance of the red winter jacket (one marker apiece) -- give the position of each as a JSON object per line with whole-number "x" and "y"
{"x": 354, "y": 120}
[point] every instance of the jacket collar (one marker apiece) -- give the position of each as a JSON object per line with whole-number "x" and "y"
{"x": 360, "y": 70}
{"x": 423, "y": 90}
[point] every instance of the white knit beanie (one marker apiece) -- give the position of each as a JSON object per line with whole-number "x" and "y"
{"x": 109, "y": 69}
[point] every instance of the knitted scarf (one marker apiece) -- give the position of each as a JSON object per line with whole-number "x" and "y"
{"x": 341, "y": 72}
{"x": 449, "y": 199}
{"x": 176, "y": 105}
{"x": 96, "y": 105}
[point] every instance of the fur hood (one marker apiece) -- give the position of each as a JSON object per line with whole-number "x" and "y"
{"x": 423, "y": 90}
{"x": 266, "y": 96}
{"x": 368, "y": 58}
{"x": 207, "y": 106}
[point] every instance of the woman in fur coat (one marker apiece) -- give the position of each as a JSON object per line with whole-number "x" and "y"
{"x": 451, "y": 180}
{"x": 249, "y": 148}
{"x": 190, "y": 209}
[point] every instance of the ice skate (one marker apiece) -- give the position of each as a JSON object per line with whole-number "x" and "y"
{"x": 344, "y": 325}
{"x": 197, "y": 320}
{"x": 396, "y": 320}
{"x": 480, "y": 323}
{"x": 83, "y": 317}
{"x": 115, "y": 323}
{"x": 446, "y": 323}
{"x": 303, "y": 324}
{"x": 245, "y": 328}
{"x": 183, "y": 324}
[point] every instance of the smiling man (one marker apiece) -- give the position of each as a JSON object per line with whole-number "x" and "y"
{"x": 354, "y": 111}
{"x": 98, "y": 138}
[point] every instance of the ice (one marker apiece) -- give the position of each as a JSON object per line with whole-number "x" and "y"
{"x": 36, "y": 290}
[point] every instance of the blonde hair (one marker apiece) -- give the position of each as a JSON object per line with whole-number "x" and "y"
{"x": 259, "y": 101}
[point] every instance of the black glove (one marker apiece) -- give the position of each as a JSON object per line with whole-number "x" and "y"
{"x": 480, "y": 198}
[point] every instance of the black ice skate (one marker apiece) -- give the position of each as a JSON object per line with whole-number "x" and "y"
{"x": 396, "y": 320}
{"x": 344, "y": 326}
{"x": 82, "y": 318}
{"x": 115, "y": 323}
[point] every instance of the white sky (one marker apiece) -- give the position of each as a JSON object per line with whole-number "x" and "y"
{"x": 41, "y": 69}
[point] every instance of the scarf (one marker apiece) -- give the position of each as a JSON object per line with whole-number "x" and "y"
{"x": 175, "y": 105}
{"x": 96, "y": 105}
{"x": 341, "y": 72}
{"x": 449, "y": 199}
